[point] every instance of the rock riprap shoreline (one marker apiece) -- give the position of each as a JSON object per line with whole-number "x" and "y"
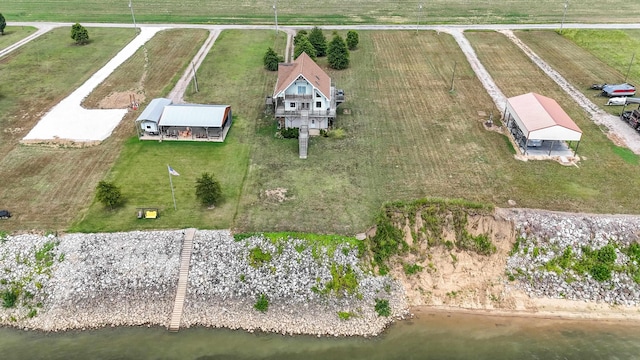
{"x": 576, "y": 256}
{"x": 79, "y": 281}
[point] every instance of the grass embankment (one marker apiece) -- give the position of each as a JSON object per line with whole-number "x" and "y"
{"x": 292, "y": 12}
{"x": 603, "y": 178}
{"x": 428, "y": 220}
{"x": 586, "y": 57}
{"x": 231, "y": 74}
{"x": 13, "y": 34}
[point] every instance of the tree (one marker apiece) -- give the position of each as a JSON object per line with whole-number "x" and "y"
{"x": 108, "y": 194}
{"x": 319, "y": 42}
{"x": 208, "y": 190}
{"x": 338, "y": 54}
{"x": 80, "y": 34}
{"x": 352, "y": 39}
{"x": 301, "y": 34}
{"x": 3, "y": 24}
{"x": 271, "y": 60}
{"x": 304, "y": 46}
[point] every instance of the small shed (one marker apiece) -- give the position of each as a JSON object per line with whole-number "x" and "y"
{"x": 538, "y": 124}
{"x": 148, "y": 121}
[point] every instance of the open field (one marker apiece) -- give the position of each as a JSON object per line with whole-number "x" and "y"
{"x": 407, "y": 137}
{"x": 14, "y": 34}
{"x": 47, "y": 187}
{"x": 225, "y": 77}
{"x": 291, "y": 12}
{"x": 586, "y": 57}
{"x": 603, "y": 180}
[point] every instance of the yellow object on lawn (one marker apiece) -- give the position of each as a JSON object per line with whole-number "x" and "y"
{"x": 150, "y": 214}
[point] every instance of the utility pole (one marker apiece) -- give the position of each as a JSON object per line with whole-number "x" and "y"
{"x": 275, "y": 12}
{"x": 629, "y": 68}
{"x": 564, "y": 14}
{"x": 419, "y": 16}
{"x": 133, "y": 17}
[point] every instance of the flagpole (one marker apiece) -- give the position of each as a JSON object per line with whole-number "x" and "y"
{"x": 173, "y": 195}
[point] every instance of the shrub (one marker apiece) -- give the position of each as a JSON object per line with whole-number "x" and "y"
{"x": 271, "y": 60}
{"x": 344, "y": 315}
{"x": 208, "y": 190}
{"x": 262, "y": 304}
{"x": 290, "y": 133}
{"x": 412, "y": 269}
{"x": 108, "y": 194}
{"x": 343, "y": 280}
{"x": 10, "y": 297}
{"x": 319, "y": 42}
{"x": 257, "y": 257}
{"x": 338, "y": 133}
{"x": 338, "y": 54}
{"x": 304, "y": 45}
{"x": 299, "y": 35}
{"x": 80, "y": 34}
{"x": 352, "y": 39}
{"x": 382, "y": 307}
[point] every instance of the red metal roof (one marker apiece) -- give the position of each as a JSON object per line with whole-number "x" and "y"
{"x": 306, "y": 67}
{"x": 539, "y": 112}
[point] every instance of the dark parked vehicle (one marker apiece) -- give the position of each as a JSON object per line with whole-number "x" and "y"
{"x": 5, "y": 214}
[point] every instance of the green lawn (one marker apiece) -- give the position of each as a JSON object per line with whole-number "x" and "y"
{"x": 292, "y": 12}
{"x": 14, "y": 34}
{"x": 225, "y": 76}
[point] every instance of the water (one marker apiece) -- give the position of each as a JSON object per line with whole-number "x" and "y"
{"x": 430, "y": 336}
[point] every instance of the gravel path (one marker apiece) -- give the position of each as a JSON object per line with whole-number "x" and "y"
{"x": 130, "y": 279}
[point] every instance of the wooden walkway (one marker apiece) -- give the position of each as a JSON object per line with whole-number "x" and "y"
{"x": 181, "y": 291}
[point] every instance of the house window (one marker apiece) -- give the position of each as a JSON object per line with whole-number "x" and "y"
{"x": 302, "y": 90}
{"x": 318, "y": 104}
{"x": 317, "y": 95}
{"x": 148, "y": 126}
{"x": 313, "y": 121}
{"x": 292, "y": 105}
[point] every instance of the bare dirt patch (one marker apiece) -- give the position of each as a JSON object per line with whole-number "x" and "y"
{"x": 461, "y": 278}
{"x": 277, "y": 195}
{"x": 121, "y": 100}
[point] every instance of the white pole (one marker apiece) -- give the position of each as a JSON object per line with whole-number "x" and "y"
{"x": 629, "y": 68}
{"x": 275, "y": 12}
{"x": 173, "y": 195}
{"x": 132, "y": 16}
{"x": 419, "y": 16}
{"x": 564, "y": 13}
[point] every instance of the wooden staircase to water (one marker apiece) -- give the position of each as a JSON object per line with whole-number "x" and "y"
{"x": 181, "y": 291}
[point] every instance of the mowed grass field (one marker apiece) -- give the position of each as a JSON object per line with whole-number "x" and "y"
{"x": 586, "y": 57}
{"x": 407, "y": 137}
{"x": 46, "y": 188}
{"x": 232, "y": 74}
{"x": 294, "y": 12}
{"x": 603, "y": 180}
{"x": 14, "y": 34}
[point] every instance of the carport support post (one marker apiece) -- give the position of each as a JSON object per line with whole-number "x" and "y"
{"x": 173, "y": 195}
{"x": 575, "y": 152}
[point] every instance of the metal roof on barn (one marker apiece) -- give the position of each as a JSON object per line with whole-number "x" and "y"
{"x": 540, "y": 117}
{"x": 153, "y": 111}
{"x": 194, "y": 115}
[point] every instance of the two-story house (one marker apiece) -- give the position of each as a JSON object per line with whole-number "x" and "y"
{"x": 305, "y": 97}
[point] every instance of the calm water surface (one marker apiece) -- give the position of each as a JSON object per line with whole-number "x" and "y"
{"x": 429, "y": 336}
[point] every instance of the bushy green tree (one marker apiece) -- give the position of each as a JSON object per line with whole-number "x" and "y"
{"x": 338, "y": 54}
{"x": 271, "y": 60}
{"x": 299, "y": 35}
{"x": 319, "y": 42}
{"x": 352, "y": 39}
{"x": 108, "y": 194}
{"x": 304, "y": 46}
{"x": 3, "y": 24}
{"x": 208, "y": 190}
{"x": 80, "y": 34}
